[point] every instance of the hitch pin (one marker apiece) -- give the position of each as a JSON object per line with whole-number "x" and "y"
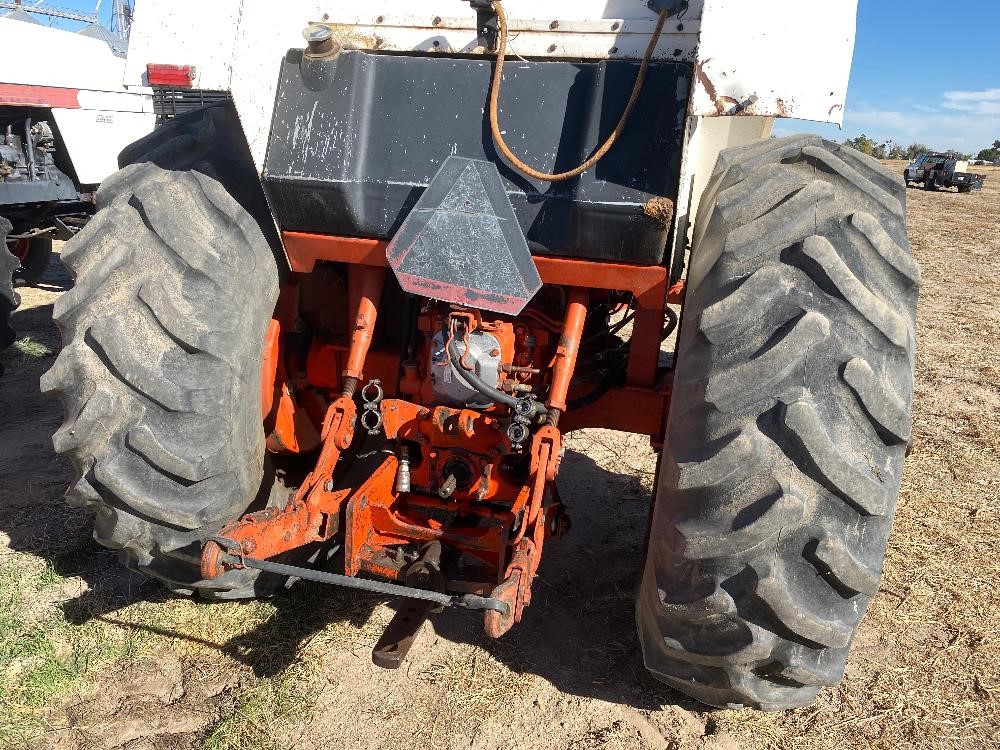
{"x": 403, "y": 471}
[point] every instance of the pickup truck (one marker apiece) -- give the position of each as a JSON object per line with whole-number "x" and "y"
{"x": 941, "y": 171}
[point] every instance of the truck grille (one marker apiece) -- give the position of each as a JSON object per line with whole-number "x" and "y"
{"x": 169, "y": 102}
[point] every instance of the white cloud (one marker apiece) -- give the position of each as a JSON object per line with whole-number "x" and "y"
{"x": 942, "y": 130}
{"x": 966, "y": 131}
{"x": 986, "y": 102}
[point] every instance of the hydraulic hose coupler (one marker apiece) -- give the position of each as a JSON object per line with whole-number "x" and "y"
{"x": 517, "y": 433}
{"x": 403, "y": 471}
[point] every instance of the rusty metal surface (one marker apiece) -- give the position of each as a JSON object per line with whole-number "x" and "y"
{"x": 660, "y": 209}
{"x": 400, "y": 634}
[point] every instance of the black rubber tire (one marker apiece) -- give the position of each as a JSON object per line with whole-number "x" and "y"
{"x": 788, "y": 426}
{"x": 9, "y": 299}
{"x": 965, "y": 188}
{"x": 34, "y": 265}
{"x": 162, "y": 344}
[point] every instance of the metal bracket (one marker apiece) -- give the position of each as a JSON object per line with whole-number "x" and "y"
{"x": 673, "y": 7}
{"x": 487, "y": 24}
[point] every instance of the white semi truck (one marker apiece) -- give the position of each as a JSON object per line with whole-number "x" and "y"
{"x": 65, "y": 114}
{"x": 420, "y": 241}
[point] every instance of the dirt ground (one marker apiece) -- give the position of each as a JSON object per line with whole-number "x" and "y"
{"x": 94, "y": 657}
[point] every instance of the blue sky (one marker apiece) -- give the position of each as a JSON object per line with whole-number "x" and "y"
{"x": 924, "y": 70}
{"x": 906, "y": 84}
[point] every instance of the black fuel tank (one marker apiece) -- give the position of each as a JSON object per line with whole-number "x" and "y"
{"x": 357, "y": 137}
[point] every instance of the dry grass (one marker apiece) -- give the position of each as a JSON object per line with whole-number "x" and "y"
{"x": 469, "y": 687}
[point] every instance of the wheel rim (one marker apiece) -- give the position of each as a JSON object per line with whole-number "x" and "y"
{"x": 19, "y": 248}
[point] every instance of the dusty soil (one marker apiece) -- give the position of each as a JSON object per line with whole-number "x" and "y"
{"x": 101, "y": 658}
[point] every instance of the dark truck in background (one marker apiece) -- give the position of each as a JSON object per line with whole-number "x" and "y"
{"x": 39, "y": 202}
{"x": 38, "y": 197}
{"x": 942, "y": 171}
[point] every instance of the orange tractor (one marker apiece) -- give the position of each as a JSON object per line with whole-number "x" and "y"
{"x": 337, "y": 329}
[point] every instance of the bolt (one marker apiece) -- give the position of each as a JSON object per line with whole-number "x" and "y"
{"x": 554, "y": 25}
{"x": 317, "y": 33}
{"x": 328, "y": 486}
{"x": 380, "y": 19}
{"x": 436, "y": 21}
{"x": 615, "y": 26}
{"x": 552, "y": 48}
{"x": 494, "y": 352}
{"x": 447, "y": 488}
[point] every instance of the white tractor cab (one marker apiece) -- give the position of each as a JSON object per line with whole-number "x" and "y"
{"x": 416, "y": 242}
{"x": 736, "y": 57}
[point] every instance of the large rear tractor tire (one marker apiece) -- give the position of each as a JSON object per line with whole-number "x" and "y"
{"x": 9, "y": 299}
{"x": 163, "y": 337}
{"x": 789, "y": 422}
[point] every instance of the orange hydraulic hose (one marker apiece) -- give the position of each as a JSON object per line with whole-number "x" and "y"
{"x": 569, "y": 347}
{"x": 605, "y": 147}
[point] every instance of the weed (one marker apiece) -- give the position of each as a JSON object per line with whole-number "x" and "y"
{"x": 32, "y": 349}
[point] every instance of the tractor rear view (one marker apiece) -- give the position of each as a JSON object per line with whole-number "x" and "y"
{"x": 338, "y": 327}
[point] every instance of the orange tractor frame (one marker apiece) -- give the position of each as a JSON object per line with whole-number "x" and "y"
{"x": 516, "y": 508}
